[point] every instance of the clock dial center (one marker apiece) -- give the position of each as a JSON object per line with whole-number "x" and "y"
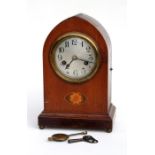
{"x": 74, "y": 57}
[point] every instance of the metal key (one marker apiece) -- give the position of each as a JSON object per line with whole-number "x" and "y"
{"x": 62, "y": 137}
{"x": 86, "y": 138}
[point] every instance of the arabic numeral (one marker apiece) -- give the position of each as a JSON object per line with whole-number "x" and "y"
{"x": 88, "y": 49}
{"x": 75, "y": 72}
{"x": 82, "y": 43}
{"x": 66, "y": 44}
{"x": 83, "y": 71}
{"x": 61, "y": 49}
{"x": 59, "y": 57}
{"x": 67, "y": 72}
{"x": 90, "y": 58}
{"x": 74, "y": 42}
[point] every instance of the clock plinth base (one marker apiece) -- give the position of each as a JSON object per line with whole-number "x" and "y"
{"x": 78, "y": 121}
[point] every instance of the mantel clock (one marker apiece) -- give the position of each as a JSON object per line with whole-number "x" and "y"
{"x": 77, "y": 76}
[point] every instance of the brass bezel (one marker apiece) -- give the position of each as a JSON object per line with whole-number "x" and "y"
{"x": 53, "y": 62}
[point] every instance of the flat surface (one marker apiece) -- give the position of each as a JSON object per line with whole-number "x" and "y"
{"x": 42, "y": 18}
{"x": 24, "y": 27}
{"x": 113, "y": 143}
{"x": 109, "y": 143}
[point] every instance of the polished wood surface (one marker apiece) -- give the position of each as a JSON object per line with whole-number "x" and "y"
{"x": 97, "y": 111}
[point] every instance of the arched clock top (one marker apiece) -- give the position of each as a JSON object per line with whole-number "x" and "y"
{"x": 86, "y": 25}
{"x": 77, "y": 76}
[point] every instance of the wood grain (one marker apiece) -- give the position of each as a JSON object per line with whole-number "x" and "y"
{"x": 97, "y": 111}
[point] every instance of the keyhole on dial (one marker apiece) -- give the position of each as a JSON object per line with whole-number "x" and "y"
{"x": 63, "y": 62}
{"x": 85, "y": 62}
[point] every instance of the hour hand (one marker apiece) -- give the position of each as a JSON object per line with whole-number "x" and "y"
{"x": 74, "y": 57}
{"x": 67, "y": 66}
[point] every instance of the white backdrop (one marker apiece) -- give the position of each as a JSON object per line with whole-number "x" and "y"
{"x": 42, "y": 17}
{"x": 24, "y": 26}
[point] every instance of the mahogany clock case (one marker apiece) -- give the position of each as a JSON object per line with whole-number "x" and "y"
{"x": 96, "y": 111}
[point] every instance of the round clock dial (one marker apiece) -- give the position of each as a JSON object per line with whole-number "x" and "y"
{"x": 75, "y": 57}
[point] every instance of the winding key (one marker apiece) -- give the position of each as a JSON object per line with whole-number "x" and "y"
{"x": 86, "y": 138}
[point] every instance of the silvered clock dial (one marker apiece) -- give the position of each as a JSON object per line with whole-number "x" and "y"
{"x": 75, "y": 57}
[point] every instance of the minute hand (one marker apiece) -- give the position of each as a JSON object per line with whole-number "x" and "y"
{"x": 84, "y": 60}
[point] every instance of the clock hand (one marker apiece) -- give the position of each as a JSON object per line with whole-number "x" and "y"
{"x": 74, "y": 57}
{"x": 84, "y": 60}
{"x": 68, "y": 65}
